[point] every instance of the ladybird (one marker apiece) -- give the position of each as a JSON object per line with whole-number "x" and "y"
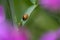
{"x": 25, "y": 16}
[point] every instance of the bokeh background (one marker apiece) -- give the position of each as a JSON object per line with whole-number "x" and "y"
{"x": 39, "y": 21}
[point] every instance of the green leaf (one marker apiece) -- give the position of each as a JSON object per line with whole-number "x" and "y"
{"x": 0, "y": 1}
{"x": 29, "y": 11}
{"x": 34, "y": 1}
{"x": 6, "y": 5}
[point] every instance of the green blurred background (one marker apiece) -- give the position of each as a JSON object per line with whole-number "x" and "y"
{"x": 39, "y": 20}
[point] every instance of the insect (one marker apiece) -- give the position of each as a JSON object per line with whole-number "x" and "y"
{"x": 25, "y": 16}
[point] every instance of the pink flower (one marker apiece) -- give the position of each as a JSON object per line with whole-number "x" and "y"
{"x": 50, "y": 4}
{"x": 51, "y": 35}
{"x": 20, "y": 34}
{"x": 5, "y": 27}
{"x": 2, "y": 14}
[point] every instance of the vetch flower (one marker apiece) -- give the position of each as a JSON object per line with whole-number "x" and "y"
{"x": 20, "y": 34}
{"x": 50, "y": 4}
{"x": 2, "y": 14}
{"x": 52, "y": 35}
{"x": 5, "y": 27}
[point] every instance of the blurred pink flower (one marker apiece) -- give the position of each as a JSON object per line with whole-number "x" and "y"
{"x": 52, "y": 35}
{"x": 5, "y": 27}
{"x": 50, "y": 4}
{"x": 2, "y": 14}
{"x": 21, "y": 34}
